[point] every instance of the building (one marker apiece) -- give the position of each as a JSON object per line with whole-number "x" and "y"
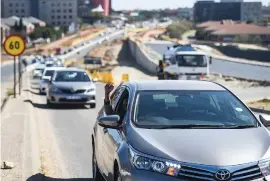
{"x": 227, "y": 30}
{"x": 251, "y": 11}
{"x": 5, "y": 32}
{"x": 266, "y": 11}
{"x": 185, "y": 13}
{"x": 20, "y": 8}
{"x": 11, "y": 21}
{"x": 58, "y": 12}
{"x": 217, "y": 11}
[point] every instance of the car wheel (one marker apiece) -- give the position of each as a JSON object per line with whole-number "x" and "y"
{"x": 95, "y": 170}
{"x": 93, "y": 105}
{"x": 118, "y": 176}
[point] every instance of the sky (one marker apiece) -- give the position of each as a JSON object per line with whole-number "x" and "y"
{"x": 158, "y": 4}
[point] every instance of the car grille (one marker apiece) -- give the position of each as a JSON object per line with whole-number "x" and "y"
{"x": 69, "y": 91}
{"x": 76, "y": 100}
{"x": 199, "y": 173}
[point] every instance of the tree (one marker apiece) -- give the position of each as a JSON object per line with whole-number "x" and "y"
{"x": 21, "y": 25}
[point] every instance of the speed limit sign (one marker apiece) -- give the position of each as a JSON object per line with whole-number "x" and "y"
{"x": 14, "y": 45}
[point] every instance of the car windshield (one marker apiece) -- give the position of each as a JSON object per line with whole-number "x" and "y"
{"x": 49, "y": 73}
{"x": 71, "y": 76}
{"x": 200, "y": 109}
{"x": 191, "y": 60}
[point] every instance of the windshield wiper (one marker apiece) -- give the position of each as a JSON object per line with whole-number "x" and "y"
{"x": 188, "y": 126}
{"x": 240, "y": 126}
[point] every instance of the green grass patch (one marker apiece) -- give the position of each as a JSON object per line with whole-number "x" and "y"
{"x": 10, "y": 92}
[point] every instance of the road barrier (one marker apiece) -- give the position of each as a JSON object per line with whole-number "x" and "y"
{"x": 142, "y": 58}
{"x": 125, "y": 78}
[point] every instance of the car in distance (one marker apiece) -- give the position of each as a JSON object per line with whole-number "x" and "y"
{"x": 186, "y": 130}
{"x": 71, "y": 86}
{"x": 46, "y": 77}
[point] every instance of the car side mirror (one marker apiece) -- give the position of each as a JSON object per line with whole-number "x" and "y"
{"x": 264, "y": 121}
{"x": 110, "y": 121}
{"x": 210, "y": 60}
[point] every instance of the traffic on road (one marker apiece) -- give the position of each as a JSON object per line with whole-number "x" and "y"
{"x": 147, "y": 130}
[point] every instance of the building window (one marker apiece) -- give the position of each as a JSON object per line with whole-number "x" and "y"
{"x": 70, "y": 17}
{"x": 10, "y": 11}
{"x": 70, "y": 4}
{"x": 70, "y": 10}
{"x": 65, "y": 17}
{"x": 22, "y": 5}
{"x": 64, "y": 4}
{"x": 58, "y": 10}
{"x": 52, "y": 17}
{"x": 58, "y": 17}
{"x": 17, "y": 11}
{"x": 16, "y": 4}
{"x": 22, "y": 10}
{"x": 53, "y": 10}
{"x": 52, "y": 4}
{"x": 53, "y": 23}
{"x": 10, "y": 5}
{"x": 59, "y": 23}
{"x": 58, "y": 4}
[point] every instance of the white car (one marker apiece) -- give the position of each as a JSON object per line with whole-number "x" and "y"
{"x": 46, "y": 77}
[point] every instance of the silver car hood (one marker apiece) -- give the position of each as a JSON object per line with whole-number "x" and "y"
{"x": 220, "y": 147}
{"x": 74, "y": 85}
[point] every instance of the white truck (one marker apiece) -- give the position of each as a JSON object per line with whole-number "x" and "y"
{"x": 187, "y": 65}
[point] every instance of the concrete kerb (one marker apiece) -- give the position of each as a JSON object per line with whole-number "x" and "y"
{"x": 36, "y": 162}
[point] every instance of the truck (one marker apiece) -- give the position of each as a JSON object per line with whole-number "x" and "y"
{"x": 187, "y": 65}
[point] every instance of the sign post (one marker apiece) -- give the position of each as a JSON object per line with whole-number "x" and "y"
{"x": 14, "y": 45}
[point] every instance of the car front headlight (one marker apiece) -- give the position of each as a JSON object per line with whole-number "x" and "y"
{"x": 265, "y": 167}
{"x": 146, "y": 162}
{"x": 90, "y": 90}
{"x": 55, "y": 89}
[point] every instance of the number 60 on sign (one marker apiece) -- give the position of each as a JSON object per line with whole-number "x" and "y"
{"x": 14, "y": 45}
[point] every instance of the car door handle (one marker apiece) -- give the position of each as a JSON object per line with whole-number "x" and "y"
{"x": 105, "y": 130}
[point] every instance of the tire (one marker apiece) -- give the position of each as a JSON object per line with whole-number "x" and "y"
{"x": 92, "y": 106}
{"x": 118, "y": 176}
{"x": 95, "y": 170}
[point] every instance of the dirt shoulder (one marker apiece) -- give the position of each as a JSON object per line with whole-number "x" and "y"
{"x": 263, "y": 104}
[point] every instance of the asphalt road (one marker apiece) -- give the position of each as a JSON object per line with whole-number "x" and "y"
{"x": 228, "y": 68}
{"x": 70, "y": 129}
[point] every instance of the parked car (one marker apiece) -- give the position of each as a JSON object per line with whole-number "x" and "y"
{"x": 46, "y": 77}
{"x": 178, "y": 130}
{"x": 71, "y": 86}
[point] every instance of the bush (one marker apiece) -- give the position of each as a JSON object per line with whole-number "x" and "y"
{"x": 47, "y": 32}
{"x": 247, "y": 39}
{"x": 177, "y": 29}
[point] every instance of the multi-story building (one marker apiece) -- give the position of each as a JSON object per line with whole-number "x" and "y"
{"x": 230, "y": 1}
{"x": 20, "y": 8}
{"x": 237, "y": 11}
{"x": 251, "y": 11}
{"x": 185, "y": 13}
{"x": 58, "y": 12}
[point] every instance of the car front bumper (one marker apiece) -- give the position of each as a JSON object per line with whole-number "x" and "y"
{"x": 142, "y": 175}
{"x": 62, "y": 98}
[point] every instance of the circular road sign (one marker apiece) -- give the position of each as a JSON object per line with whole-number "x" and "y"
{"x": 14, "y": 45}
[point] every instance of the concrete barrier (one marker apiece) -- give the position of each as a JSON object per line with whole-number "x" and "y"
{"x": 145, "y": 60}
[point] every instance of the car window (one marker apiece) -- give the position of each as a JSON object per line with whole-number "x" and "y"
{"x": 49, "y": 73}
{"x": 71, "y": 76}
{"x": 116, "y": 96}
{"x": 155, "y": 108}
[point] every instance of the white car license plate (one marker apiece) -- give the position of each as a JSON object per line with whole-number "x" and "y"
{"x": 73, "y": 97}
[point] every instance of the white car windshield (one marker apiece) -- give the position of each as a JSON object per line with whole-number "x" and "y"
{"x": 191, "y": 60}
{"x": 71, "y": 76}
{"x": 49, "y": 73}
{"x": 156, "y": 109}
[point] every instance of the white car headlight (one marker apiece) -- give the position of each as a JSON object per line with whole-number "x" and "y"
{"x": 145, "y": 162}
{"x": 90, "y": 90}
{"x": 55, "y": 89}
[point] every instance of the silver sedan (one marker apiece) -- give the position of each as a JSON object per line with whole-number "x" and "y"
{"x": 71, "y": 86}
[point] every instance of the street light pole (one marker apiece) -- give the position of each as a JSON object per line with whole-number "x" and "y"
{"x": 14, "y": 69}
